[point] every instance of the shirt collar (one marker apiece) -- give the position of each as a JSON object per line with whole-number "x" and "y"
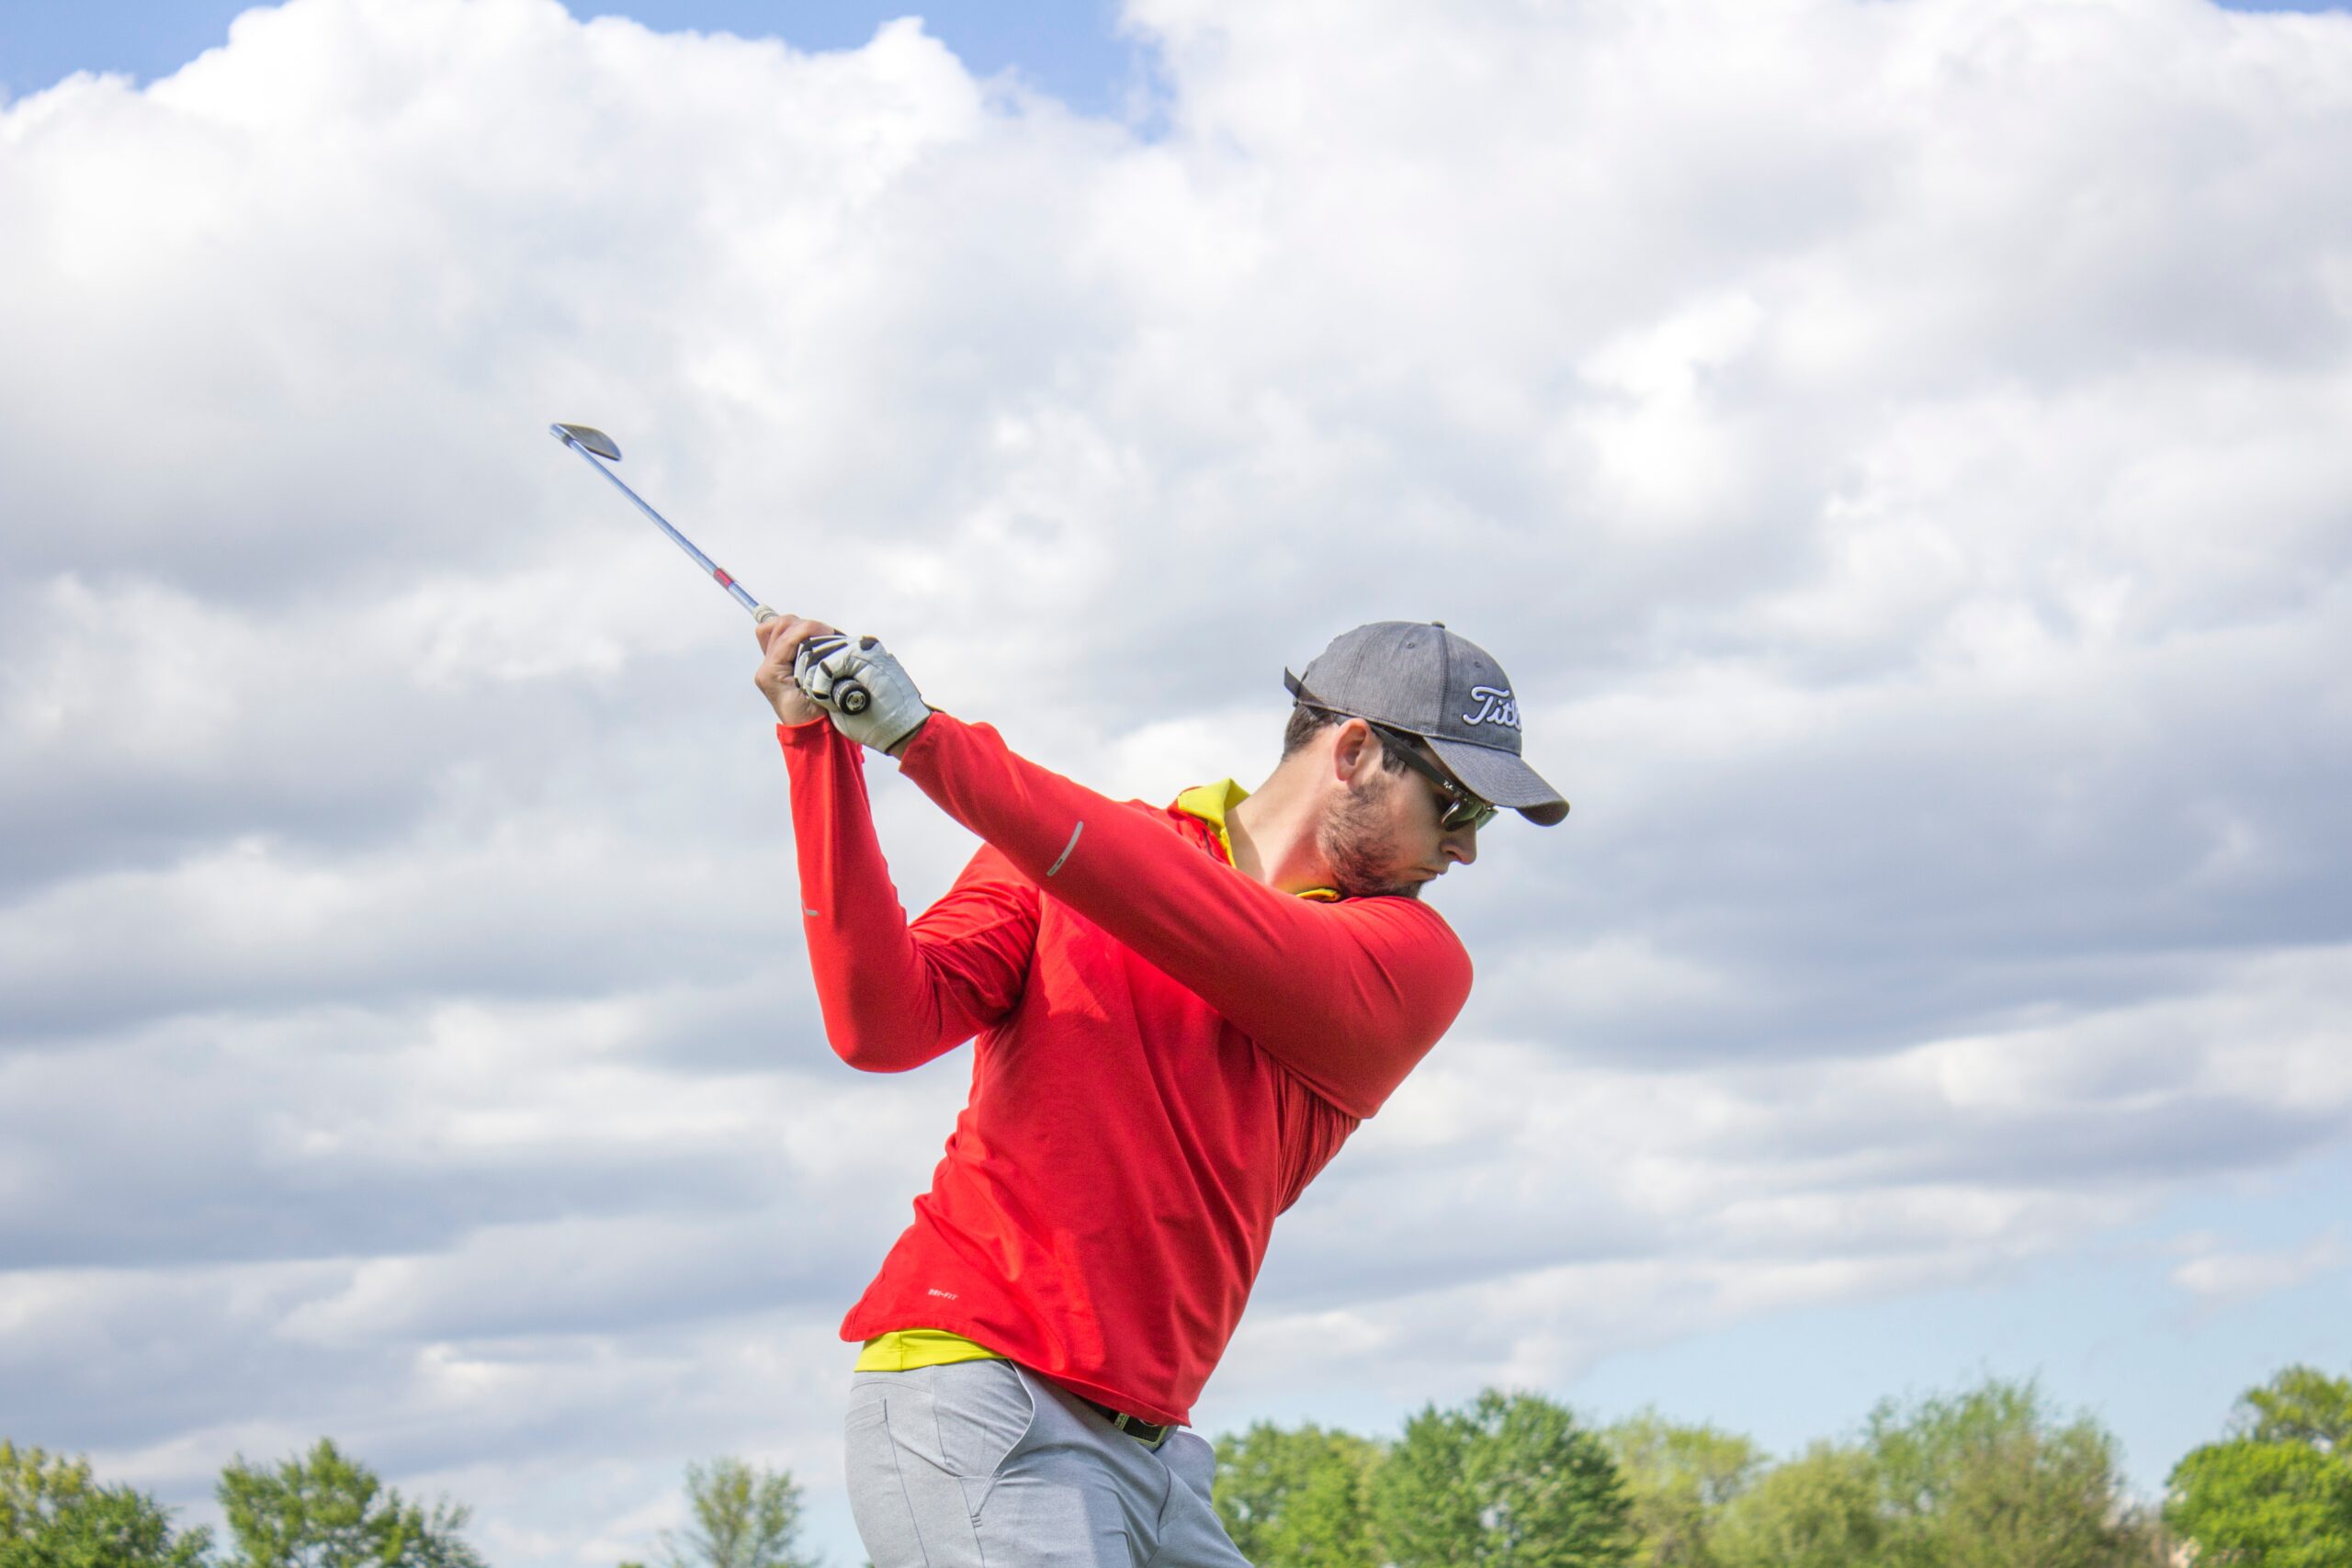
{"x": 1210, "y": 803}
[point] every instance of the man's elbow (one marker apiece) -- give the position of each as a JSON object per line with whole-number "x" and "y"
{"x": 881, "y": 1039}
{"x": 872, "y": 1052}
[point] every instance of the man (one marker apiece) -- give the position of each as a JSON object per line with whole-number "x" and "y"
{"x": 1181, "y": 1015}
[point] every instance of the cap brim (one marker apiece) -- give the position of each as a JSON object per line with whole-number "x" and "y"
{"x": 1502, "y": 778}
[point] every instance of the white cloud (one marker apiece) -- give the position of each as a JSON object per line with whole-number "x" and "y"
{"x": 2216, "y": 1277}
{"x": 1894, "y": 448}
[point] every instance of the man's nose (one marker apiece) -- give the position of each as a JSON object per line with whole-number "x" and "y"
{"x": 1461, "y": 846}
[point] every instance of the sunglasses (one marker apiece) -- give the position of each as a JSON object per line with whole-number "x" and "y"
{"x": 1457, "y": 808}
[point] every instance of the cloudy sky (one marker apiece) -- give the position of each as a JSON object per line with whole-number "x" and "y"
{"x": 1895, "y": 446}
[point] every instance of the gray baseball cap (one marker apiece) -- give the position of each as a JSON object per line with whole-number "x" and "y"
{"x": 1418, "y": 676}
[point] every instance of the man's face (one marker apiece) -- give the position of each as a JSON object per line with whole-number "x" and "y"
{"x": 1381, "y": 832}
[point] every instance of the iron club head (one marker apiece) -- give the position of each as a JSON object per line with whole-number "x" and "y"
{"x": 588, "y": 438}
{"x": 592, "y": 443}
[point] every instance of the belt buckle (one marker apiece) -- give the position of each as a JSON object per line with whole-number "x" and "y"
{"x": 1123, "y": 1423}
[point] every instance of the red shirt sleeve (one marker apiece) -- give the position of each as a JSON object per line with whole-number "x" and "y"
{"x": 1349, "y": 996}
{"x": 895, "y": 996}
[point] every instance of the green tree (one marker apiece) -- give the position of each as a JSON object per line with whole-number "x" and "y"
{"x": 743, "y": 1517}
{"x": 1506, "y": 1479}
{"x": 325, "y": 1510}
{"x": 2277, "y": 1495}
{"x": 2302, "y": 1405}
{"x": 1677, "y": 1481}
{"x": 53, "y": 1515}
{"x": 1987, "y": 1478}
{"x": 2275, "y": 1504}
{"x": 1819, "y": 1510}
{"x": 1297, "y": 1498}
{"x": 1991, "y": 1478}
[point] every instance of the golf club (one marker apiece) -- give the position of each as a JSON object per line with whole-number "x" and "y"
{"x": 596, "y": 449}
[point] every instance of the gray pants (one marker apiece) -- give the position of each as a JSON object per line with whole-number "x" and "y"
{"x": 985, "y": 1464}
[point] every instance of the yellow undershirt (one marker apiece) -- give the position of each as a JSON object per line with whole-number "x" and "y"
{"x": 904, "y": 1349}
{"x": 1211, "y": 802}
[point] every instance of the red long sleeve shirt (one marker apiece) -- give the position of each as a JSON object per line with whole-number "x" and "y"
{"x": 1169, "y": 1051}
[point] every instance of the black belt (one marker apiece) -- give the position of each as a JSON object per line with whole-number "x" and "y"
{"x": 1134, "y": 1426}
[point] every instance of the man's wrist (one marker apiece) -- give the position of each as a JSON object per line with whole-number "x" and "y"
{"x": 899, "y": 747}
{"x": 802, "y": 732}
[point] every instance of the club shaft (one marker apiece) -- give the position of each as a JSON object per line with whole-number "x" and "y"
{"x": 719, "y": 573}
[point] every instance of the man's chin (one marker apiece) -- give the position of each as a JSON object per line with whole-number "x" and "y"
{"x": 1367, "y": 887}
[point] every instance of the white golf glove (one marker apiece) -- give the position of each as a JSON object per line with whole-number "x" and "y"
{"x": 861, "y": 685}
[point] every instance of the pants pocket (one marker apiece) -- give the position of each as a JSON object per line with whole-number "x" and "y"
{"x": 983, "y": 1409}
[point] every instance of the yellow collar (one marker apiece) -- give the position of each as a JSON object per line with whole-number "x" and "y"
{"x": 1211, "y": 802}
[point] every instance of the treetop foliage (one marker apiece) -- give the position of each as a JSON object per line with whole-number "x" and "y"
{"x": 323, "y": 1509}
{"x": 2302, "y": 1404}
{"x": 1677, "y": 1481}
{"x": 1508, "y": 1478}
{"x": 1298, "y": 1495}
{"x": 54, "y": 1515}
{"x": 740, "y": 1517}
{"x": 1991, "y": 1477}
{"x": 1818, "y": 1510}
{"x": 2277, "y": 1495}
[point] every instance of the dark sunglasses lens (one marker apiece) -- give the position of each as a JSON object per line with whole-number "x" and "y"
{"x": 1457, "y": 808}
{"x": 1461, "y": 814}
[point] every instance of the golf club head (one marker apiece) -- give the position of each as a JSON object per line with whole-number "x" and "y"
{"x": 588, "y": 438}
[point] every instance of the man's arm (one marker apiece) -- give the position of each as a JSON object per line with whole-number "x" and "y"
{"x": 1348, "y": 995}
{"x": 893, "y": 995}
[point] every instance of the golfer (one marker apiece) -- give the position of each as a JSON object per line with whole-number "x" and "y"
{"x": 1181, "y": 1015}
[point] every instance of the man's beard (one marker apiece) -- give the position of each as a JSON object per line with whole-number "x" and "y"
{"x": 1354, "y": 839}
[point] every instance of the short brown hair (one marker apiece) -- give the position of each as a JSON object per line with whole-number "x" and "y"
{"x": 1306, "y": 722}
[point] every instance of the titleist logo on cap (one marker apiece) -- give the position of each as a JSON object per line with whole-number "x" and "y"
{"x": 1495, "y": 704}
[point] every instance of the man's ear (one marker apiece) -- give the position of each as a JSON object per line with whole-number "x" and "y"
{"x": 1355, "y": 751}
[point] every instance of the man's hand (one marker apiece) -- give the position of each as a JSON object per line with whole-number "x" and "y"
{"x": 780, "y": 641}
{"x": 870, "y": 697}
